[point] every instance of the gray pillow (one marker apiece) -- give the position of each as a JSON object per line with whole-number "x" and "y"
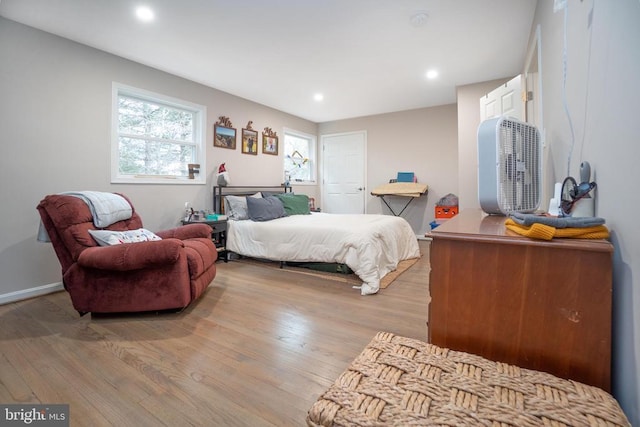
{"x": 271, "y": 193}
{"x": 265, "y": 209}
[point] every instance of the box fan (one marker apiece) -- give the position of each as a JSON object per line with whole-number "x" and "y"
{"x": 509, "y": 166}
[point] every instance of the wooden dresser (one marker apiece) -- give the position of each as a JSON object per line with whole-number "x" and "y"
{"x": 543, "y": 305}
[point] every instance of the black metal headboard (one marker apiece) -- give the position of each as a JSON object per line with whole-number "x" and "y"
{"x": 242, "y": 190}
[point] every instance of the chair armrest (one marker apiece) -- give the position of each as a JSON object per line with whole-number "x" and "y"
{"x": 189, "y": 231}
{"x": 131, "y": 256}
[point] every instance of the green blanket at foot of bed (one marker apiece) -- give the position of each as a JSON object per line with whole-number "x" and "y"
{"x": 323, "y": 266}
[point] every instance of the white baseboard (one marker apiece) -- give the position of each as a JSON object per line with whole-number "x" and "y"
{"x": 30, "y": 293}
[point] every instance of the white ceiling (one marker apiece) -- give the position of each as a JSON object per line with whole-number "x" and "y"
{"x": 365, "y": 56}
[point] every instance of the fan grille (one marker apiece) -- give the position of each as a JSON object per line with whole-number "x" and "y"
{"x": 519, "y": 166}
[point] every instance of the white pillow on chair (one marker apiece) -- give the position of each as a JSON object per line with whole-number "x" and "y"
{"x": 110, "y": 238}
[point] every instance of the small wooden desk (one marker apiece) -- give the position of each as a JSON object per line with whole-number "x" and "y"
{"x": 408, "y": 190}
{"x": 543, "y": 305}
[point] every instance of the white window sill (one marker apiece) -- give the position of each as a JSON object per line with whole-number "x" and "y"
{"x": 303, "y": 183}
{"x": 162, "y": 181}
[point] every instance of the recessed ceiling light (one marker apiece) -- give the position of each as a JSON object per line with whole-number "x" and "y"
{"x": 318, "y": 97}
{"x": 432, "y": 74}
{"x": 144, "y": 14}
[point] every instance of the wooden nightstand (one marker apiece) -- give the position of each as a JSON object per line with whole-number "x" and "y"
{"x": 218, "y": 234}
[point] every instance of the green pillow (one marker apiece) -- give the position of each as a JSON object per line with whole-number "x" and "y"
{"x": 295, "y": 204}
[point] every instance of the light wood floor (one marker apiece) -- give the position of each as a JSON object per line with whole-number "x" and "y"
{"x": 256, "y": 350}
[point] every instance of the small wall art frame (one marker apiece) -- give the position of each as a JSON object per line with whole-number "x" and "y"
{"x": 269, "y": 142}
{"x": 250, "y": 140}
{"x": 224, "y": 134}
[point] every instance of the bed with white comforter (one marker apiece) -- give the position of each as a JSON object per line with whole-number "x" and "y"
{"x": 371, "y": 245}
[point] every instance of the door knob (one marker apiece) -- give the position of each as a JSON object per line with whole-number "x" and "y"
{"x": 360, "y": 188}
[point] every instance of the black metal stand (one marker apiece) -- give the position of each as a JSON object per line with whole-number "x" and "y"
{"x": 391, "y": 209}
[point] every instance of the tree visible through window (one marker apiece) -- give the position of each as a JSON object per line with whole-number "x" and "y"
{"x": 299, "y": 156}
{"x": 156, "y": 137}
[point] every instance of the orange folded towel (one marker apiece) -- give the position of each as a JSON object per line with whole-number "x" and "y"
{"x": 546, "y": 232}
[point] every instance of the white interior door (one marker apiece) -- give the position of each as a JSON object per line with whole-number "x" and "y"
{"x": 343, "y": 172}
{"x": 504, "y": 100}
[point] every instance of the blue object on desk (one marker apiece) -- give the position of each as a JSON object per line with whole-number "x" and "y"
{"x": 405, "y": 176}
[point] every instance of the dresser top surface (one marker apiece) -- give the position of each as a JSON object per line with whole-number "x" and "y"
{"x": 474, "y": 224}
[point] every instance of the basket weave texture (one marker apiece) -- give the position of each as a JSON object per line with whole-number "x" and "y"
{"x": 398, "y": 381}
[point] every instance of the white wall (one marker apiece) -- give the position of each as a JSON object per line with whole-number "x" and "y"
{"x": 423, "y": 141}
{"x": 468, "y": 98}
{"x": 55, "y": 115}
{"x": 603, "y": 65}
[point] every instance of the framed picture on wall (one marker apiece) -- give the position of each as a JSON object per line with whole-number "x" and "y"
{"x": 269, "y": 142}
{"x": 249, "y": 140}
{"x": 224, "y": 135}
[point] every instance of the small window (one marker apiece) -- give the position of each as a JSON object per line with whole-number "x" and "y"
{"x": 155, "y": 138}
{"x": 299, "y": 157}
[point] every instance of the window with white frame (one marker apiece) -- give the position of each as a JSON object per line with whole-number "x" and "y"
{"x": 299, "y": 157}
{"x": 155, "y": 138}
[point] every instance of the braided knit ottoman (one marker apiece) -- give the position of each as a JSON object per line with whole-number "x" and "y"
{"x": 405, "y": 382}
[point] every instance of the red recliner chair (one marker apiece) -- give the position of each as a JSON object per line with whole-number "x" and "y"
{"x": 131, "y": 277}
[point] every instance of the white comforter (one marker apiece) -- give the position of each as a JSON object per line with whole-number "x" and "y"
{"x": 371, "y": 245}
